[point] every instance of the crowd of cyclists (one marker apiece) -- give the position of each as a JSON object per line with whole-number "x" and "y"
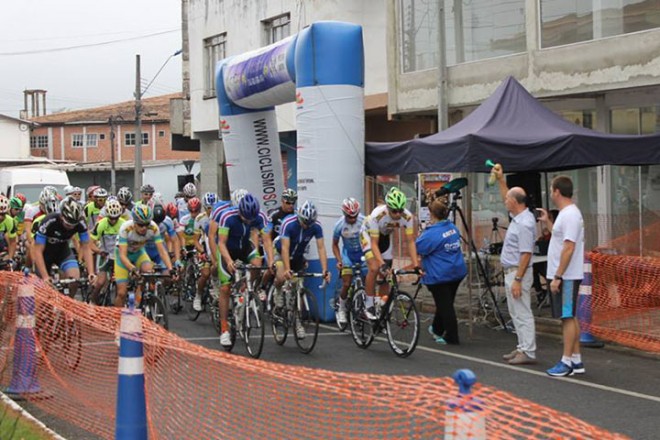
{"x": 115, "y": 234}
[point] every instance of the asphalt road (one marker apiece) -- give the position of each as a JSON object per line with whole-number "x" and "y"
{"x": 620, "y": 391}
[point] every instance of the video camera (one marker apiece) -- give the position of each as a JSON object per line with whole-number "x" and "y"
{"x": 453, "y": 186}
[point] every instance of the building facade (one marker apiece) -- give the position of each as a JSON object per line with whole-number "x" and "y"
{"x": 14, "y": 138}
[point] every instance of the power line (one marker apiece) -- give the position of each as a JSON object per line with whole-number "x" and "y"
{"x": 68, "y": 37}
{"x": 81, "y": 46}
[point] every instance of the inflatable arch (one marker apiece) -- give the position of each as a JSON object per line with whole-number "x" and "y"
{"x": 322, "y": 69}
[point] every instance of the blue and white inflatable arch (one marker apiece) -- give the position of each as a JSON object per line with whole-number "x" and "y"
{"x": 322, "y": 69}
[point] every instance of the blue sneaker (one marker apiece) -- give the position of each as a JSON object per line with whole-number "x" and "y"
{"x": 578, "y": 368}
{"x": 560, "y": 370}
{"x": 438, "y": 339}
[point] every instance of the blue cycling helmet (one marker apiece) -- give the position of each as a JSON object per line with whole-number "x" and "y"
{"x": 210, "y": 199}
{"x": 248, "y": 207}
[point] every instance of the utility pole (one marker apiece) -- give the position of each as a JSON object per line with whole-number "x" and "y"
{"x": 113, "y": 178}
{"x": 137, "y": 178}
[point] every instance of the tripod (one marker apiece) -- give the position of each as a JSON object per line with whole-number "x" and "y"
{"x": 454, "y": 209}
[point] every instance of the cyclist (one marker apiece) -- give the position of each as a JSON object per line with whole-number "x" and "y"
{"x": 168, "y": 232}
{"x": 7, "y": 230}
{"x": 146, "y": 193}
{"x": 51, "y": 244}
{"x": 130, "y": 255}
{"x": 214, "y": 220}
{"x": 238, "y": 231}
{"x": 376, "y": 244}
{"x": 17, "y": 212}
{"x": 73, "y": 191}
{"x": 190, "y": 234}
{"x": 38, "y": 209}
{"x": 125, "y": 198}
{"x": 189, "y": 191}
{"x": 106, "y": 232}
{"x": 296, "y": 233}
{"x": 93, "y": 208}
{"x": 276, "y": 217}
{"x": 347, "y": 229}
{"x": 52, "y": 205}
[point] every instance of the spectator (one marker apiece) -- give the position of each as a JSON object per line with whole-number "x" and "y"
{"x": 444, "y": 268}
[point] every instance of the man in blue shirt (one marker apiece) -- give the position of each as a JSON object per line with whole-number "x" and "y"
{"x": 239, "y": 231}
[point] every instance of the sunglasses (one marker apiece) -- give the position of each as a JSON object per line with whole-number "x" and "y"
{"x": 396, "y": 211}
{"x": 287, "y": 202}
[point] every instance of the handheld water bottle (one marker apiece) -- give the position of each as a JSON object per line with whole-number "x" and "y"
{"x": 493, "y": 177}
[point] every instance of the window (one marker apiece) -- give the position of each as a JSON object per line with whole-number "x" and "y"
{"x": 38, "y": 141}
{"x": 572, "y": 21}
{"x": 161, "y": 133}
{"x": 277, "y": 28}
{"x": 129, "y": 139}
{"x": 79, "y": 140}
{"x": 214, "y": 51}
{"x": 102, "y": 136}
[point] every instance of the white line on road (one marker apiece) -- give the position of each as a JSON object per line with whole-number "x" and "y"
{"x": 527, "y": 371}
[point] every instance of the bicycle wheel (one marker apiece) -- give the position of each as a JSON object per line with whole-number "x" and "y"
{"x": 362, "y": 329}
{"x": 278, "y": 322}
{"x": 107, "y": 295}
{"x": 402, "y": 325}
{"x": 253, "y": 326}
{"x": 306, "y": 322}
{"x": 154, "y": 310}
{"x": 214, "y": 314}
{"x": 71, "y": 343}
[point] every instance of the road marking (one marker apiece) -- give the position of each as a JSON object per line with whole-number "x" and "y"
{"x": 525, "y": 370}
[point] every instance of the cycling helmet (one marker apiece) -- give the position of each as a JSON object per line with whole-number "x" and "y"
{"x": 210, "y": 199}
{"x": 290, "y": 195}
{"x": 90, "y": 191}
{"x": 237, "y": 195}
{"x": 157, "y": 199}
{"x": 189, "y": 190}
{"x": 71, "y": 210}
{"x": 51, "y": 189}
{"x": 307, "y": 213}
{"x": 350, "y": 207}
{"x": 142, "y": 214}
{"x": 4, "y": 204}
{"x": 147, "y": 189}
{"x": 194, "y": 205}
{"x": 69, "y": 189}
{"x": 248, "y": 207}
{"x": 124, "y": 195}
{"x": 171, "y": 210}
{"x": 45, "y": 195}
{"x": 113, "y": 208}
{"x": 395, "y": 199}
{"x": 21, "y": 197}
{"x": 15, "y": 203}
{"x": 51, "y": 205}
{"x": 100, "y": 193}
{"x": 159, "y": 214}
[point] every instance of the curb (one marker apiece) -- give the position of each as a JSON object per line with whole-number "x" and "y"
{"x": 23, "y": 413}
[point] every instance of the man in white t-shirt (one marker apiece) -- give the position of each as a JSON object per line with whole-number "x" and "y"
{"x": 565, "y": 269}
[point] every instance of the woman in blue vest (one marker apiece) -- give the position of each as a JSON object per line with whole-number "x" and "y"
{"x": 444, "y": 269}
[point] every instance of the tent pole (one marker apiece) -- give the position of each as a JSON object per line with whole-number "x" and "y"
{"x": 442, "y": 69}
{"x": 468, "y": 210}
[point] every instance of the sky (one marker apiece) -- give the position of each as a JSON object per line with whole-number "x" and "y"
{"x": 37, "y": 40}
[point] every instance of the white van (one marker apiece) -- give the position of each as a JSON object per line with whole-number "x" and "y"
{"x": 31, "y": 180}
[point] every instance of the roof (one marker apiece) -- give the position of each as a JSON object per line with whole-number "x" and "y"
{"x": 11, "y": 118}
{"x": 157, "y": 104}
{"x": 119, "y": 166}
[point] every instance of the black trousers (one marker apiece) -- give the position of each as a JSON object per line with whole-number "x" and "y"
{"x": 444, "y": 322}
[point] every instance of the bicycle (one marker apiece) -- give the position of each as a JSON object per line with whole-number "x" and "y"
{"x": 187, "y": 286}
{"x": 357, "y": 284}
{"x": 151, "y": 304}
{"x": 300, "y": 311}
{"x": 398, "y": 317}
{"x": 246, "y": 317}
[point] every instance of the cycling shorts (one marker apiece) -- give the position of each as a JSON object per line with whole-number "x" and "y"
{"x": 62, "y": 257}
{"x": 297, "y": 264}
{"x": 137, "y": 258}
{"x": 244, "y": 255}
{"x": 348, "y": 260}
{"x": 384, "y": 245}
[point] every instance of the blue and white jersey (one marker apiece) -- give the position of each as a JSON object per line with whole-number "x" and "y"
{"x": 237, "y": 231}
{"x": 166, "y": 227}
{"x": 182, "y": 207}
{"x": 349, "y": 234}
{"x": 299, "y": 237}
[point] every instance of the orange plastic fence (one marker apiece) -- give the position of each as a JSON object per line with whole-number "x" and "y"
{"x": 194, "y": 392}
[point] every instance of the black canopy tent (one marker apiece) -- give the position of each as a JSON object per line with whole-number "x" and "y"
{"x": 513, "y": 128}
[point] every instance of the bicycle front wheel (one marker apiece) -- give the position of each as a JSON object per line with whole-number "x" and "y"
{"x": 362, "y": 328}
{"x": 253, "y": 326}
{"x": 154, "y": 310}
{"x": 306, "y": 322}
{"x": 402, "y": 325}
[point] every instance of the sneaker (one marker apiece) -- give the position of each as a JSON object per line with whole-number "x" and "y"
{"x": 433, "y": 333}
{"x": 521, "y": 359}
{"x": 341, "y": 317}
{"x": 197, "y": 303}
{"x": 509, "y": 356}
{"x": 578, "y": 368}
{"x": 560, "y": 370}
{"x": 370, "y": 313}
{"x": 225, "y": 339}
{"x": 300, "y": 331}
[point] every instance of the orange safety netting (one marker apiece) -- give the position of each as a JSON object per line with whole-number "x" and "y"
{"x": 194, "y": 392}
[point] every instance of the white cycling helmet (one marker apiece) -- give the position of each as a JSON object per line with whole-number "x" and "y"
{"x": 237, "y": 195}
{"x": 190, "y": 190}
{"x": 113, "y": 208}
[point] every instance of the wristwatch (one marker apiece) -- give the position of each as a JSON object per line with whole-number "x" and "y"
{"x": 558, "y": 277}
{"x": 518, "y": 279}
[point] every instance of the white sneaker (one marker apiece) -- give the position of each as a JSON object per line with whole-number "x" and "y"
{"x": 300, "y": 331}
{"x": 225, "y": 339}
{"x": 341, "y": 316}
{"x": 197, "y": 303}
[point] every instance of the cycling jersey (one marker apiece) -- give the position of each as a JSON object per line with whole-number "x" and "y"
{"x": 91, "y": 214}
{"x": 182, "y": 207}
{"x": 7, "y": 230}
{"x": 275, "y": 221}
{"x": 107, "y": 234}
{"x": 379, "y": 222}
{"x": 237, "y": 231}
{"x": 299, "y": 237}
{"x": 56, "y": 238}
{"x": 36, "y": 223}
{"x": 220, "y": 207}
{"x": 135, "y": 242}
{"x": 166, "y": 228}
{"x": 33, "y": 211}
{"x": 190, "y": 229}
{"x": 349, "y": 234}
{"x": 19, "y": 222}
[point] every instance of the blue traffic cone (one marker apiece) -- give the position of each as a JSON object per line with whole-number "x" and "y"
{"x": 465, "y": 418}
{"x": 131, "y": 421}
{"x": 24, "y": 380}
{"x": 584, "y": 308}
